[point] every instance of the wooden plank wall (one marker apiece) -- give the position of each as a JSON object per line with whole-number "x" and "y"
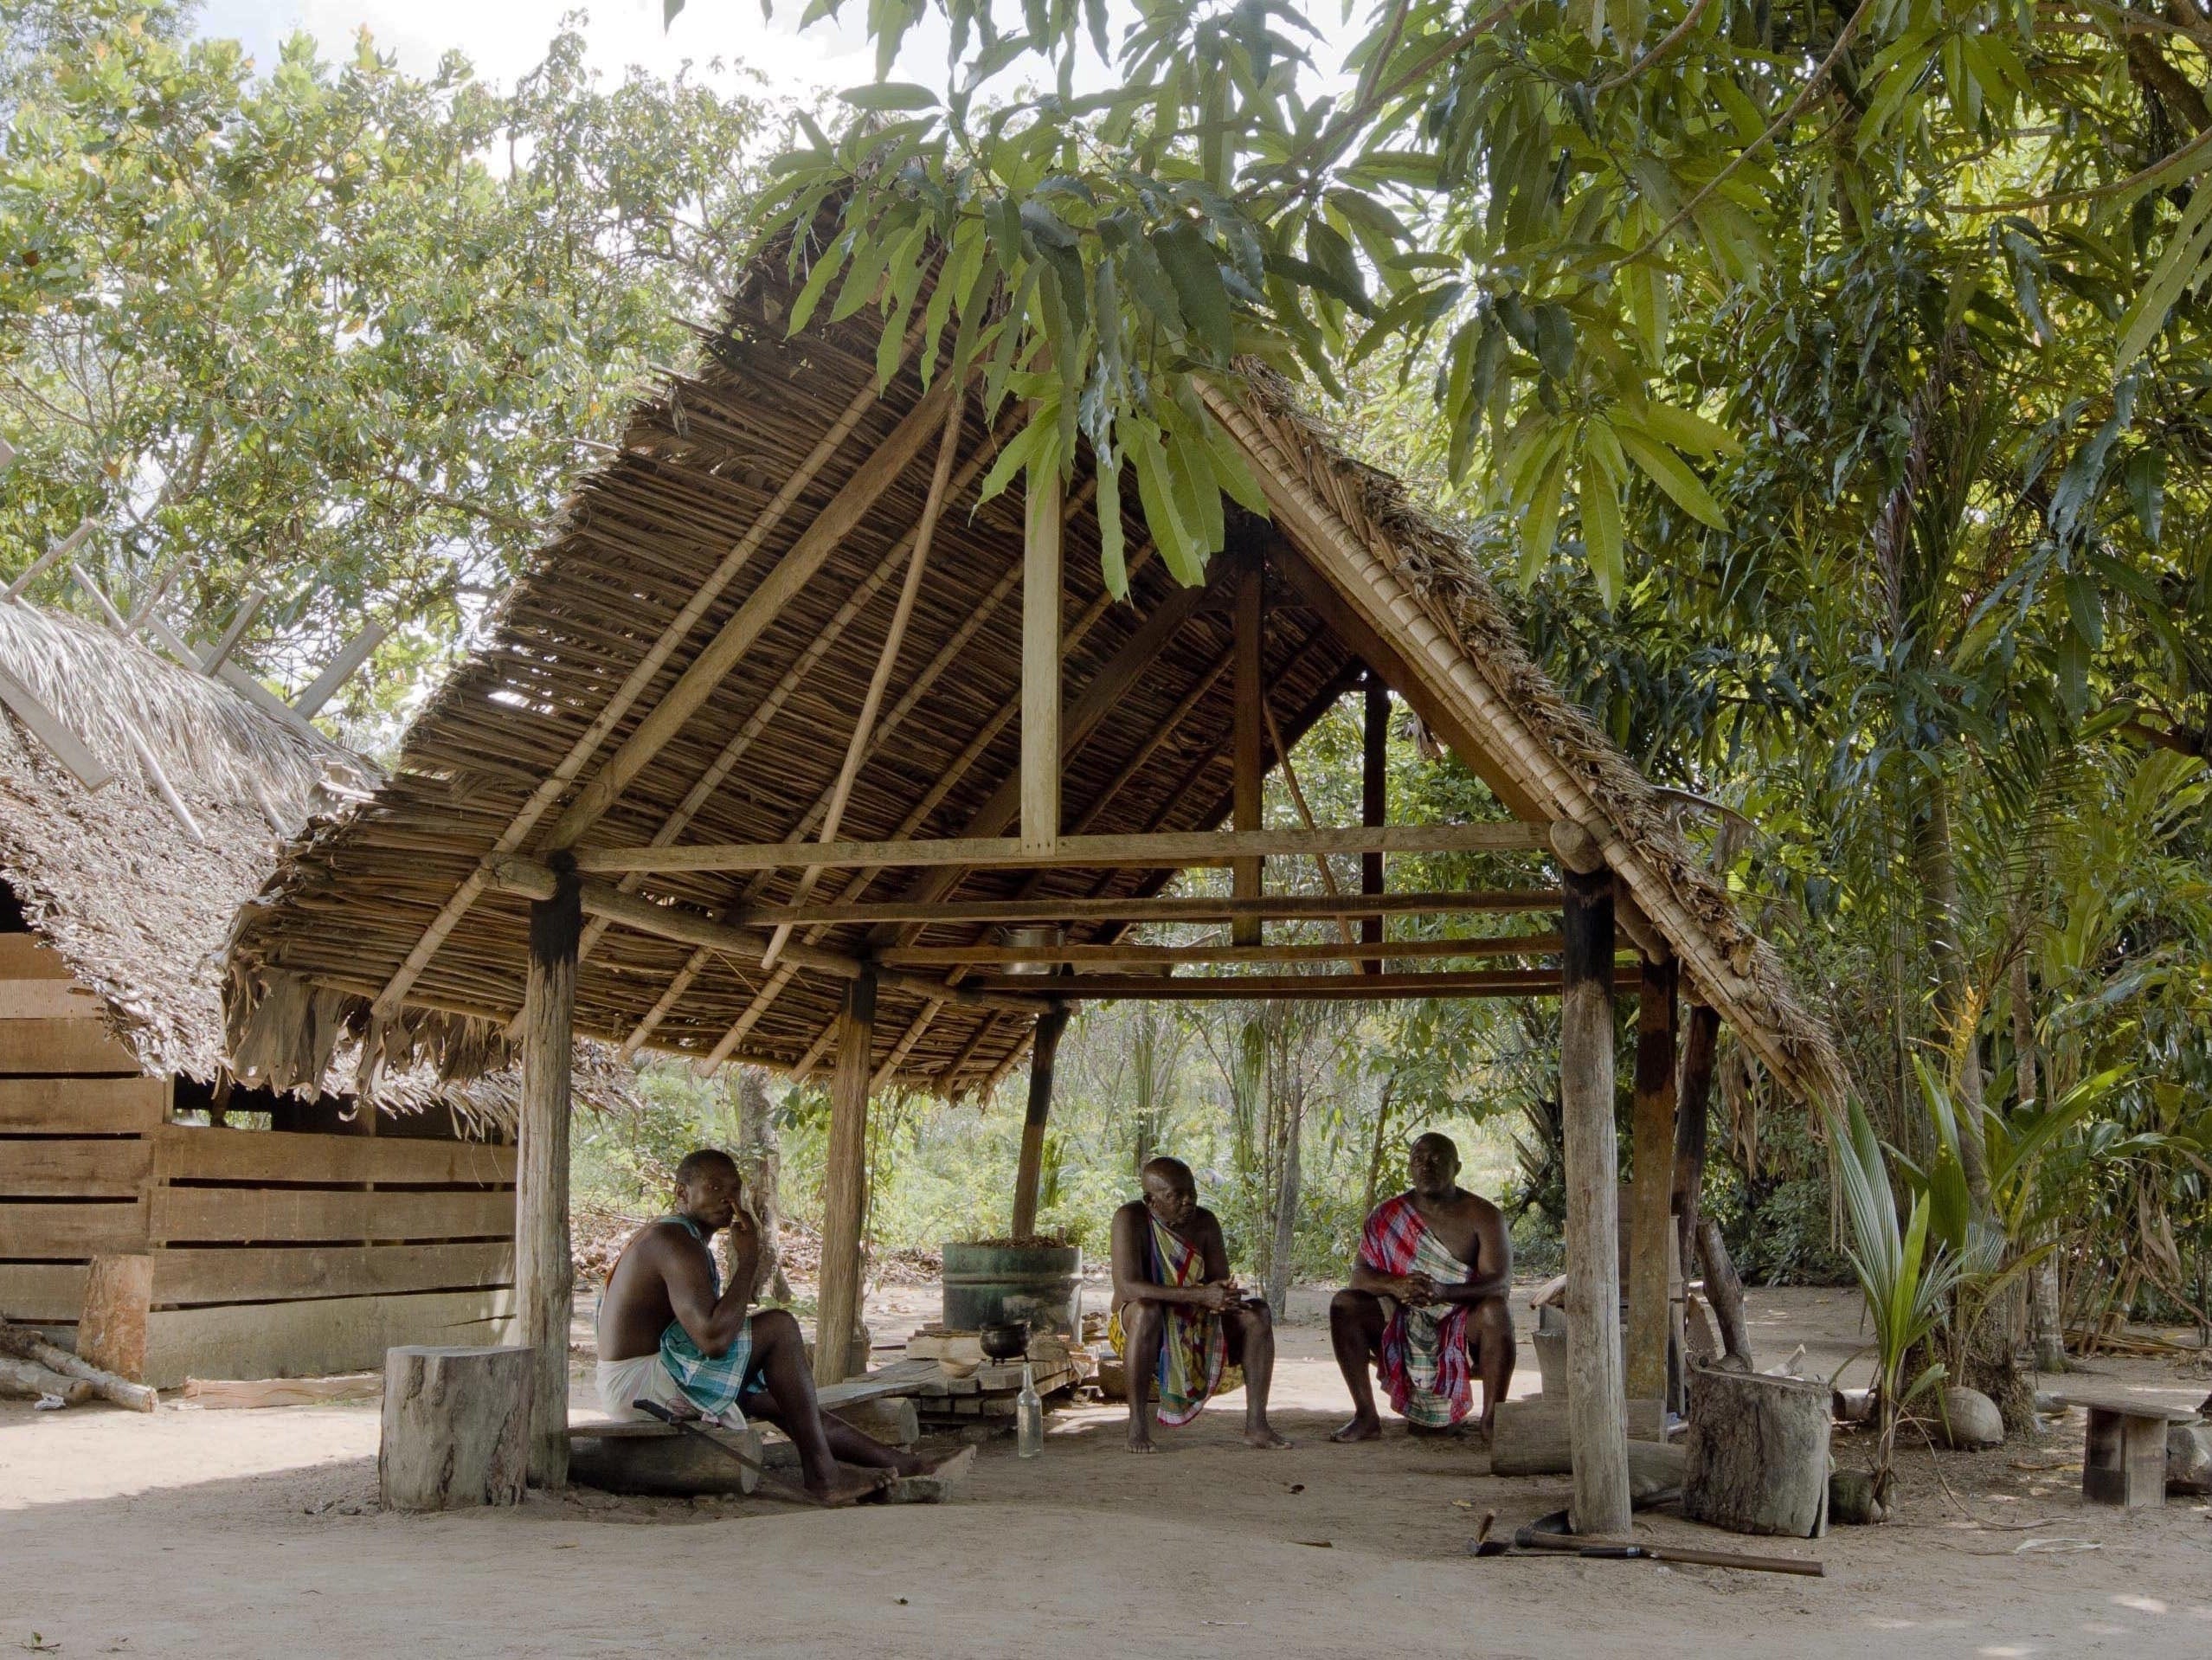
{"x": 276, "y": 1253}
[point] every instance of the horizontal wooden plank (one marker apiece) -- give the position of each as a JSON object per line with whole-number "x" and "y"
{"x": 255, "y": 1273}
{"x": 1310, "y": 987}
{"x": 47, "y": 1000}
{"x": 94, "y": 1106}
{"x": 50, "y": 1046}
{"x": 1174, "y": 849}
{"x": 67, "y": 1232}
{"x": 1168, "y": 956}
{"x": 41, "y": 1293}
{"x": 200, "y": 1153}
{"x": 307, "y": 1338}
{"x": 110, "y": 1168}
{"x": 1179, "y": 907}
{"x": 228, "y": 1215}
{"x": 26, "y": 957}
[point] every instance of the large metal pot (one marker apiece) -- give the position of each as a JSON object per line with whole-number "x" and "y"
{"x": 990, "y": 1284}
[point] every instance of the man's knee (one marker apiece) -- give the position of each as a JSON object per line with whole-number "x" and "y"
{"x": 1353, "y": 1305}
{"x": 1494, "y": 1320}
{"x": 1141, "y": 1321}
{"x": 772, "y": 1328}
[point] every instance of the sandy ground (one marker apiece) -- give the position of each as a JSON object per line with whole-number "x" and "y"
{"x": 256, "y": 1532}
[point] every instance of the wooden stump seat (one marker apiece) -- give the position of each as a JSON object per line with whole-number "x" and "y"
{"x": 2124, "y": 1462}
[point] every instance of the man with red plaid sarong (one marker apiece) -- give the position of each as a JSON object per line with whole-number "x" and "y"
{"x": 1426, "y": 1307}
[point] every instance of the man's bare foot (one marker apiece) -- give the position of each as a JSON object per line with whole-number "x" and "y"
{"x": 846, "y": 1485}
{"x": 1140, "y": 1442}
{"x": 1265, "y": 1438}
{"x": 1360, "y": 1429}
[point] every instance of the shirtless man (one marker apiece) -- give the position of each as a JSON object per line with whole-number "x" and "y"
{"x": 1184, "y": 1323}
{"x": 1427, "y": 1298}
{"x": 669, "y": 1332}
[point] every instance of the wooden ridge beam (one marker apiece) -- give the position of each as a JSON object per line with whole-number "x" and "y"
{"x": 1179, "y": 849}
{"x": 1300, "y": 988}
{"x": 1136, "y": 909}
{"x": 688, "y": 927}
{"x": 1165, "y": 956}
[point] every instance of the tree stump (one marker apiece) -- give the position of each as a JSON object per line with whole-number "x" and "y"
{"x": 1757, "y": 1454}
{"x": 456, "y": 1430}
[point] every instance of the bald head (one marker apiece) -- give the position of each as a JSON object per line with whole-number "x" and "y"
{"x": 1170, "y": 1190}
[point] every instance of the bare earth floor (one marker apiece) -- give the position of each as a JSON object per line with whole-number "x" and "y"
{"x": 256, "y": 1532}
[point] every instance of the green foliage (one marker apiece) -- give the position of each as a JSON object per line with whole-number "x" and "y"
{"x": 326, "y": 330}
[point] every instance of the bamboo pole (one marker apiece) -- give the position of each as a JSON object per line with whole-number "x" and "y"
{"x": 1248, "y": 766}
{"x": 1040, "y": 663}
{"x": 1597, "y": 1405}
{"x": 1136, "y": 909}
{"x": 845, "y": 1190}
{"x": 544, "y": 1274}
{"x": 1650, "y": 1290}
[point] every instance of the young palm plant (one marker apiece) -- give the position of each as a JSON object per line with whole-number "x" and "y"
{"x": 1905, "y": 1278}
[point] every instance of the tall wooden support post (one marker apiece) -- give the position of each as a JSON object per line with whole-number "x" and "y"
{"x": 845, "y": 1187}
{"x": 544, "y": 1274}
{"x": 1040, "y": 665}
{"x": 1249, "y": 773}
{"x": 1374, "y": 801}
{"x": 1596, "y": 1406}
{"x": 1700, "y": 1044}
{"x": 1027, "y": 1175}
{"x": 1651, "y": 1201}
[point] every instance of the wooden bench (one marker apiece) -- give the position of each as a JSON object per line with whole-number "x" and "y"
{"x": 2124, "y": 1462}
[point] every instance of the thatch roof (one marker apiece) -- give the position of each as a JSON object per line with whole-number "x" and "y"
{"x": 390, "y": 908}
{"x": 111, "y": 879}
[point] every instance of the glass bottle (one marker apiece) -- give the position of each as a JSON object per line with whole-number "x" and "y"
{"x": 1029, "y": 1415}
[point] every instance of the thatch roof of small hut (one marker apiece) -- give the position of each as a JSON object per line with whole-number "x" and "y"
{"x": 725, "y": 481}
{"x": 140, "y": 907}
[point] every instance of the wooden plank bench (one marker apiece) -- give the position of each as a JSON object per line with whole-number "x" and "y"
{"x": 2124, "y": 1462}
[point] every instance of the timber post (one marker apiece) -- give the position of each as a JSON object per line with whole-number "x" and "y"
{"x": 1248, "y": 770}
{"x": 1597, "y": 1404}
{"x": 1374, "y": 800}
{"x": 1650, "y": 1290}
{"x": 1041, "y": 582}
{"x": 845, "y": 1186}
{"x": 1030, "y": 1172}
{"x": 544, "y": 1275}
{"x": 1692, "y": 1118}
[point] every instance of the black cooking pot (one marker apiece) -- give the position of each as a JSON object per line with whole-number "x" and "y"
{"x": 1009, "y": 1341}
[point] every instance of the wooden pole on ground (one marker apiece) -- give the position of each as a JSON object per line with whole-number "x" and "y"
{"x": 1374, "y": 798}
{"x": 1050, "y": 1025}
{"x": 1249, "y": 774}
{"x": 543, "y": 1275}
{"x": 1597, "y": 1405}
{"x": 1040, "y": 664}
{"x": 1650, "y": 1290}
{"x": 845, "y": 1187}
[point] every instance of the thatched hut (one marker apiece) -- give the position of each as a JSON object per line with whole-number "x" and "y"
{"x": 782, "y": 609}
{"x": 237, "y": 1217}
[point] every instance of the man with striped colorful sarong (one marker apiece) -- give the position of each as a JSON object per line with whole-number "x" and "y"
{"x": 670, "y": 1334}
{"x": 1183, "y": 1327}
{"x": 1426, "y": 1307}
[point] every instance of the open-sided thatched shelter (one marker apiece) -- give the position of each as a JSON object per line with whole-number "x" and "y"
{"x": 122, "y": 1129}
{"x": 734, "y": 645}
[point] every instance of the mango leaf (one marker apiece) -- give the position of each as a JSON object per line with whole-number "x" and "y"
{"x": 1601, "y": 529}
{"x": 890, "y": 95}
{"x": 1686, "y": 431}
{"x": 1191, "y": 266}
{"x": 1539, "y": 525}
{"x": 1666, "y": 470}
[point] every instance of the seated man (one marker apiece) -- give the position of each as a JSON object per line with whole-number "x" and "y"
{"x": 668, "y": 1333}
{"x": 1178, "y": 1319}
{"x": 1428, "y": 1296}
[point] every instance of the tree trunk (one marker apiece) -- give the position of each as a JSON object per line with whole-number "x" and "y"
{"x": 1375, "y": 1149}
{"x": 2050, "y": 1337}
{"x": 1286, "y": 1204}
{"x": 457, "y": 1427}
{"x": 1029, "y": 1173}
{"x": 1724, "y": 1291}
{"x": 760, "y": 1158}
{"x": 1937, "y": 859}
{"x": 1693, "y": 1124}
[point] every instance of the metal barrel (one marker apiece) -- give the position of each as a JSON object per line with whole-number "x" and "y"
{"x": 990, "y": 1284}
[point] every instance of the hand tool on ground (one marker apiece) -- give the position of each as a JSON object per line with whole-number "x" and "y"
{"x": 1548, "y": 1533}
{"x": 693, "y": 1427}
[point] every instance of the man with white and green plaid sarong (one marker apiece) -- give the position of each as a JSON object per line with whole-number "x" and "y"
{"x": 671, "y": 1334}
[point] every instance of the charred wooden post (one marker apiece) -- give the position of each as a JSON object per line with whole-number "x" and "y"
{"x": 1692, "y": 1118}
{"x": 1249, "y": 762}
{"x": 1651, "y": 1291}
{"x": 845, "y": 1187}
{"x": 1050, "y": 1025}
{"x": 1040, "y": 665}
{"x": 544, "y": 1273}
{"x": 1598, "y": 1401}
{"x": 1374, "y": 798}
